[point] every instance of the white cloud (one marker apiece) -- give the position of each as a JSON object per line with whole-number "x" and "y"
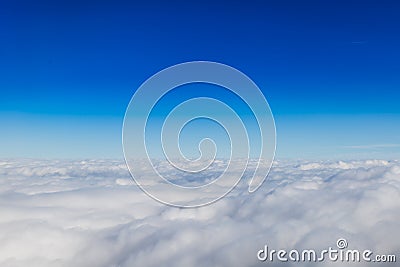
{"x": 90, "y": 213}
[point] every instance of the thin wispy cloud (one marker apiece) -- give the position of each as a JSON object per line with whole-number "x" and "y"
{"x": 373, "y": 146}
{"x": 359, "y": 42}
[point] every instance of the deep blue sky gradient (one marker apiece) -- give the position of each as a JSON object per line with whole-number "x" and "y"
{"x": 77, "y": 64}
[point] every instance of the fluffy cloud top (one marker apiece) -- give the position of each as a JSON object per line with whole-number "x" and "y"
{"x": 90, "y": 213}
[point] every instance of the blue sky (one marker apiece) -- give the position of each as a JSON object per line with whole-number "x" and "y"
{"x": 329, "y": 69}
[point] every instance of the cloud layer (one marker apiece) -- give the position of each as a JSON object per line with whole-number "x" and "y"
{"x": 90, "y": 213}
